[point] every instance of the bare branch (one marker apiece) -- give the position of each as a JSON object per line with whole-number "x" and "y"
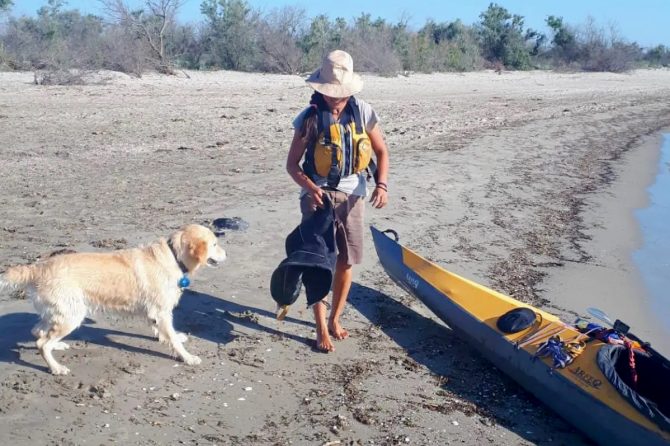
{"x": 152, "y": 24}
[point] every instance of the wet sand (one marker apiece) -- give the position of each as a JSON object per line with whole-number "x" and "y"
{"x": 611, "y": 281}
{"x": 519, "y": 181}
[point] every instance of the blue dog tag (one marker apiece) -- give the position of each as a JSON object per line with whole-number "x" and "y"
{"x": 184, "y": 282}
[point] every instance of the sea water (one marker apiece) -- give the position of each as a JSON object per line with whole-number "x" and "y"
{"x": 653, "y": 257}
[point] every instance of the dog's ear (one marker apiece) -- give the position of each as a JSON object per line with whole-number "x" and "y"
{"x": 175, "y": 239}
{"x": 197, "y": 250}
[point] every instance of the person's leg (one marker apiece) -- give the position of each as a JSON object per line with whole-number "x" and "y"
{"x": 341, "y": 286}
{"x": 323, "y": 341}
{"x": 349, "y": 240}
{"x": 350, "y": 253}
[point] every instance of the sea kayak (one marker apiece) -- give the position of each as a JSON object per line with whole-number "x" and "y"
{"x": 588, "y": 381}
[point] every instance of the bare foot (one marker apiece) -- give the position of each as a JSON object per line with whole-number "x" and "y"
{"x": 337, "y": 331}
{"x": 323, "y": 342}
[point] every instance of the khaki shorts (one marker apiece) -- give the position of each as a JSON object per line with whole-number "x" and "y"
{"x": 349, "y": 224}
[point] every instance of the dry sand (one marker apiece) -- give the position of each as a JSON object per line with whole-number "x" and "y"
{"x": 521, "y": 181}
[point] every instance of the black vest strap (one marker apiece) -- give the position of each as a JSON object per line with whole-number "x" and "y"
{"x": 349, "y": 113}
{"x": 356, "y": 114}
{"x": 325, "y": 121}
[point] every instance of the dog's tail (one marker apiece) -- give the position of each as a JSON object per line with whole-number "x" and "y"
{"x": 17, "y": 277}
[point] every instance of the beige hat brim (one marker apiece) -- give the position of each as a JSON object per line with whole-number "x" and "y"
{"x": 335, "y": 90}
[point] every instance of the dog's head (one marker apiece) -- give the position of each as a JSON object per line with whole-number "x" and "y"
{"x": 195, "y": 246}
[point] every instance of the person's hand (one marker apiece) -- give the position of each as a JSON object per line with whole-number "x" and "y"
{"x": 316, "y": 197}
{"x": 379, "y": 196}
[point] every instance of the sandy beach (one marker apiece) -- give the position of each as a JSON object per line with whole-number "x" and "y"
{"x": 522, "y": 181}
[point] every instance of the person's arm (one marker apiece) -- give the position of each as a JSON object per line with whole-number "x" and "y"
{"x": 380, "y": 194}
{"x": 293, "y": 168}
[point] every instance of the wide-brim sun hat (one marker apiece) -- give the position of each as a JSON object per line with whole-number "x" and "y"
{"x": 336, "y": 77}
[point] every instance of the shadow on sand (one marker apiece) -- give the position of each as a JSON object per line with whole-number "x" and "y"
{"x": 211, "y": 318}
{"x": 466, "y": 374}
{"x": 15, "y": 329}
{"x": 198, "y": 314}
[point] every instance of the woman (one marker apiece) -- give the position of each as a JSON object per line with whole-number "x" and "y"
{"x": 337, "y": 135}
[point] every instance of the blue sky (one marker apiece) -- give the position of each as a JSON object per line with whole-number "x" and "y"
{"x": 644, "y": 21}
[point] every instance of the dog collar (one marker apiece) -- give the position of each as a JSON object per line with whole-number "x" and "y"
{"x": 184, "y": 282}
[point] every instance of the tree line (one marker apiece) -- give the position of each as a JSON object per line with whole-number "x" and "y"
{"x": 235, "y": 36}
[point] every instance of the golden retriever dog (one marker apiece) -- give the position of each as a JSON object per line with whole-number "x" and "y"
{"x": 146, "y": 281}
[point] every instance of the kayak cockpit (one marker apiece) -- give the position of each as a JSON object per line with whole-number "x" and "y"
{"x": 645, "y": 385}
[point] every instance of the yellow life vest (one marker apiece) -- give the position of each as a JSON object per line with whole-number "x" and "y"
{"x": 353, "y": 150}
{"x": 341, "y": 149}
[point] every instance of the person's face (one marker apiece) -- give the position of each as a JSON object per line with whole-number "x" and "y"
{"x": 335, "y": 104}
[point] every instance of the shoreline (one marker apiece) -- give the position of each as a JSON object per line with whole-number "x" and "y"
{"x": 610, "y": 279}
{"x": 650, "y": 266}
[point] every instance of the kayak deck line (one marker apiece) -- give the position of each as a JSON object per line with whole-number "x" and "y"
{"x": 540, "y": 336}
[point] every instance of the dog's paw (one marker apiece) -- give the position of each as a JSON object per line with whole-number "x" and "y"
{"x": 61, "y": 346}
{"x": 59, "y": 369}
{"x": 192, "y": 360}
{"x": 182, "y": 337}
